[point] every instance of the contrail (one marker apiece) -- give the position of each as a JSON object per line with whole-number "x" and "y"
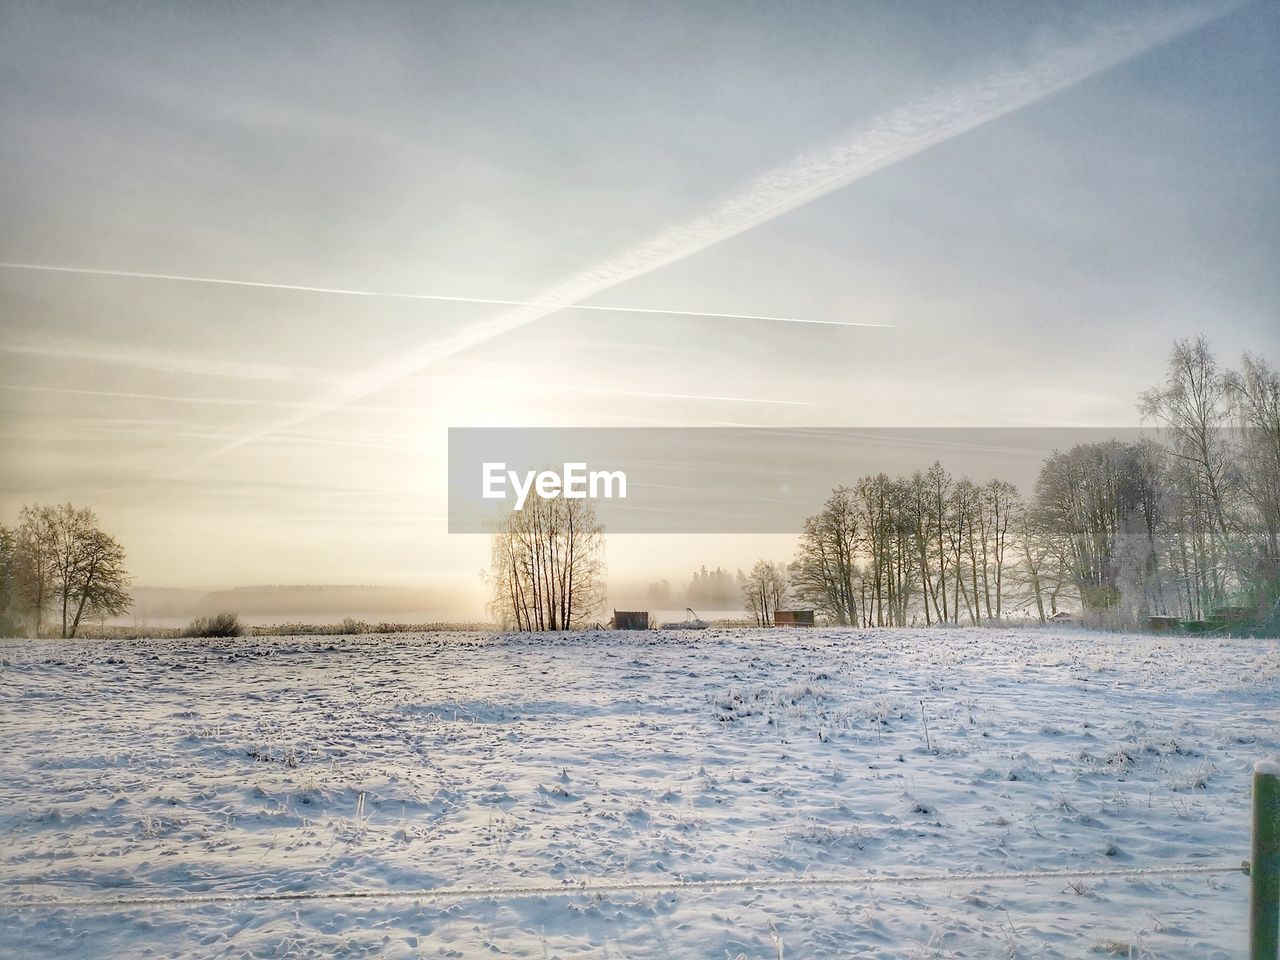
{"x": 882, "y": 141}
{"x": 385, "y": 295}
{"x": 643, "y": 394}
{"x": 684, "y": 396}
{"x": 163, "y": 362}
{"x": 124, "y": 395}
{"x": 315, "y": 407}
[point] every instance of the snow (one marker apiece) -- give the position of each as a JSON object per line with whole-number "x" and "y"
{"x": 376, "y": 763}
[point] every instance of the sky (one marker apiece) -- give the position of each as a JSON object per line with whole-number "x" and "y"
{"x": 1003, "y": 213}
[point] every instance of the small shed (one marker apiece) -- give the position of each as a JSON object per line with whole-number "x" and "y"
{"x": 631, "y": 619}
{"x": 1232, "y": 614}
{"x": 793, "y": 618}
{"x": 1162, "y": 624}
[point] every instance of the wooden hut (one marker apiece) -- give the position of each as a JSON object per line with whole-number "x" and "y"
{"x": 793, "y": 618}
{"x": 631, "y": 619}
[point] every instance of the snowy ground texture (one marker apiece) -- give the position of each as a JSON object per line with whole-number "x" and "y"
{"x": 283, "y": 764}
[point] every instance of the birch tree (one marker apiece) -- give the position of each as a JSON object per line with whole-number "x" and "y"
{"x": 1255, "y": 397}
{"x": 764, "y": 590}
{"x": 547, "y": 565}
{"x": 34, "y": 546}
{"x": 825, "y": 572}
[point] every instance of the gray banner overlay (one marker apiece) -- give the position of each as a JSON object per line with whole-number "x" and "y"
{"x": 739, "y": 480}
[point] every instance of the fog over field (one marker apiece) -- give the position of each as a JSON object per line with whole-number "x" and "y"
{"x": 639, "y": 479}
{"x": 1032, "y": 202}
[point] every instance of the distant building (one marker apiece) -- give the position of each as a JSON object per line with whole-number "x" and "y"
{"x": 1233, "y": 614}
{"x": 793, "y": 618}
{"x": 631, "y": 619}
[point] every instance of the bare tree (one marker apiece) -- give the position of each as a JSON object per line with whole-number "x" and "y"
{"x": 960, "y": 535}
{"x": 1186, "y": 525}
{"x": 888, "y": 544}
{"x": 825, "y": 572}
{"x": 1222, "y": 505}
{"x": 10, "y": 603}
{"x": 764, "y": 590}
{"x": 547, "y": 565}
{"x": 35, "y": 545}
{"x": 1194, "y": 405}
{"x": 1003, "y": 506}
{"x": 1255, "y": 397}
{"x": 1042, "y": 571}
{"x": 939, "y": 484}
{"x": 1101, "y": 504}
{"x": 916, "y": 525}
{"x": 890, "y": 548}
{"x": 87, "y": 567}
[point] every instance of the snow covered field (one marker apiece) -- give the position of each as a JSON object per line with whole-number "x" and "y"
{"x": 281, "y": 764}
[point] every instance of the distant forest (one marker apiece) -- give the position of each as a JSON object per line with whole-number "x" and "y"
{"x": 710, "y": 589}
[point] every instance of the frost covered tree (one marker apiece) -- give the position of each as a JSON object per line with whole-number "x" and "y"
{"x": 10, "y": 605}
{"x": 930, "y": 520}
{"x": 764, "y": 590}
{"x": 825, "y": 572}
{"x": 1040, "y": 575}
{"x": 1187, "y": 523}
{"x": 888, "y": 579}
{"x": 33, "y": 562}
{"x": 1193, "y": 406}
{"x": 1255, "y": 397}
{"x": 89, "y": 578}
{"x": 547, "y": 567}
{"x": 1002, "y": 504}
{"x": 1100, "y": 503}
{"x": 1221, "y": 433}
{"x": 59, "y": 557}
{"x": 890, "y": 549}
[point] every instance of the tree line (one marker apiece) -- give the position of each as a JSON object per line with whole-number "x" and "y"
{"x": 1183, "y": 524}
{"x": 57, "y": 560}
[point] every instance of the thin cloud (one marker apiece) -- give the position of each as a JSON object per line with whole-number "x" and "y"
{"x": 879, "y": 143}
{"x": 385, "y": 295}
{"x": 162, "y": 362}
{"x": 319, "y": 408}
{"x": 125, "y": 395}
{"x": 562, "y": 386}
{"x": 685, "y": 396}
{"x": 75, "y": 429}
{"x": 307, "y": 439}
{"x": 312, "y": 407}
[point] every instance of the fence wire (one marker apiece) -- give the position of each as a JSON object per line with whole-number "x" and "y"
{"x": 601, "y": 888}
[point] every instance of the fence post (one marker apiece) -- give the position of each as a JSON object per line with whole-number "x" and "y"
{"x": 1264, "y": 863}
